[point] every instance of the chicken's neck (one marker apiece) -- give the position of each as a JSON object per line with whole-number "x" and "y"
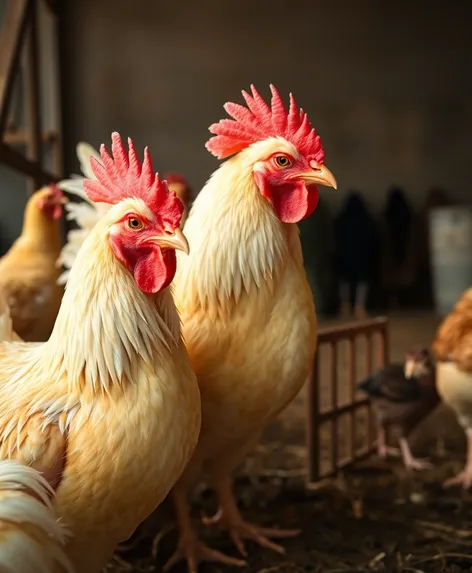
{"x": 39, "y": 230}
{"x": 238, "y": 245}
{"x": 107, "y": 329}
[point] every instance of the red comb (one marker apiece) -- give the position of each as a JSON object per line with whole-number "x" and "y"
{"x": 258, "y": 121}
{"x": 122, "y": 176}
{"x": 55, "y": 190}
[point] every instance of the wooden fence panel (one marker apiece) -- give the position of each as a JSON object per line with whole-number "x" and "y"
{"x": 340, "y": 429}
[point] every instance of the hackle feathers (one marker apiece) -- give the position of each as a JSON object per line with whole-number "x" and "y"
{"x": 227, "y": 266}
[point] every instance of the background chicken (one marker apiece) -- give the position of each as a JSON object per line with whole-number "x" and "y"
{"x": 177, "y": 183}
{"x": 244, "y": 286}
{"x": 400, "y": 246}
{"x": 402, "y": 396}
{"x": 453, "y": 349}
{"x": 355, "y": 254}
{"x": 28, "y": 272}
{"x": 95, "y": 406}
{"x": 32, "y": 539}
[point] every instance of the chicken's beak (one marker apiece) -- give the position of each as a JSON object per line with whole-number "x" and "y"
{"x": 63, "y": 200}
{"x": 177, "y": 241}
{"x": 319, "y": 175}
{"x": 409, "y": 369}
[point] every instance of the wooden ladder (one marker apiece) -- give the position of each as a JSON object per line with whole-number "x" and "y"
{"x": 19, "y": 53}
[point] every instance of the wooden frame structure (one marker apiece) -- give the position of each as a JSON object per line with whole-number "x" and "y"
{"x": 19, "y": 36}
{"x": 319, "y": 416}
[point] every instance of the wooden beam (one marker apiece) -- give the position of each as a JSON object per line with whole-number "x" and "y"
{"x": 11, "y": 36}
{"x": 20, "y": 137}
{"x": 19, "y": 162}
{"x": 33, "y": 94}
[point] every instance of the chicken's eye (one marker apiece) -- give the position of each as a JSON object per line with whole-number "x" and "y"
{"x": 282, "y": 161}
{"x": 135, "y": 224}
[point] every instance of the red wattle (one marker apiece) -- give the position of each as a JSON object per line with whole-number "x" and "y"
{"x": 155, "y": 270}
{"x": 292, "y": 201}
{"x": 152, "y": 268}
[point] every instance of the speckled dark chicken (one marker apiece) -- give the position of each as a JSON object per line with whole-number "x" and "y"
{"x": 402, "y": 396}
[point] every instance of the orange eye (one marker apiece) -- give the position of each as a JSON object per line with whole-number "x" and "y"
{"x": 282, "y": 161}
{"x": 135, "y": 224}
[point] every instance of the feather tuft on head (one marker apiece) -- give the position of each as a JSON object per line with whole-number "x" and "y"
{"x": 258, "y": 121}
{"x": 122, "y": 176}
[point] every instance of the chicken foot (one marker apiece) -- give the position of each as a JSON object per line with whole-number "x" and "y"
{"x": 410, "y": 462}
{"x": 189, "y": 546}
{"x": 239, "y": 529}
{"x": 464, "y": 478}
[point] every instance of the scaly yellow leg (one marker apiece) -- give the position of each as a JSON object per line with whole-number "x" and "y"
{"x": 189, "y": 546}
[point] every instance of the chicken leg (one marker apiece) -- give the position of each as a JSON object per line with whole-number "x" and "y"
{"x": 384, "y": 450}
{"x": 464, "y": 478}
{"x": 239, "y": 529}
{"x": 189, "y": 546}
{"x": 412, "y": 463}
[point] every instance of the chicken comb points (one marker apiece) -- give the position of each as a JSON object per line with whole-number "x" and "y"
{"x": 122, "y": 176}
{"x": 258, "y": 121}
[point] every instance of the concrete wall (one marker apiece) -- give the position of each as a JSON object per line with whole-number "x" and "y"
{"x": 387, "y": 85}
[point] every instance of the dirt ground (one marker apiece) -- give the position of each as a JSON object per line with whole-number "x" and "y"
{"x": 374, "y": 518}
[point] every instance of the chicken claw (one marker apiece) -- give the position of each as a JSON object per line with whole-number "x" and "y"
{"x": 418, "y": 464}
{"x": 240, "y": 529}
{"x": 196, "y": 551}
{"x": 385, "y": 451}
{"x": 464, "y": 479}
{"x": 410, "y": 462}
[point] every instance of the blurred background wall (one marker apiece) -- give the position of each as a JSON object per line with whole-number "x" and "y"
{"x": 387, "y": 85}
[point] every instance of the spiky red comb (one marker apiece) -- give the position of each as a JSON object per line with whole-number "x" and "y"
{"x": 122, "y": 176}
{"x": 258, "y": 121}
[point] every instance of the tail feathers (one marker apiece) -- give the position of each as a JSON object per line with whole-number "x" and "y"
{"x": 7, "y": 334}
{"x": 74, "y": 185}
{"x": 32, "y": 538}
{"x": 85, "y": 214}
{"x": 84, "y": 153}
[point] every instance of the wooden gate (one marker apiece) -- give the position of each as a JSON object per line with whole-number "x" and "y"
{"x": 340, "y": 429}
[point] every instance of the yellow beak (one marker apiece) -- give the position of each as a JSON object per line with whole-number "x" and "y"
{"x": 177, "y": 241}
{"x": 320, "y": 175}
